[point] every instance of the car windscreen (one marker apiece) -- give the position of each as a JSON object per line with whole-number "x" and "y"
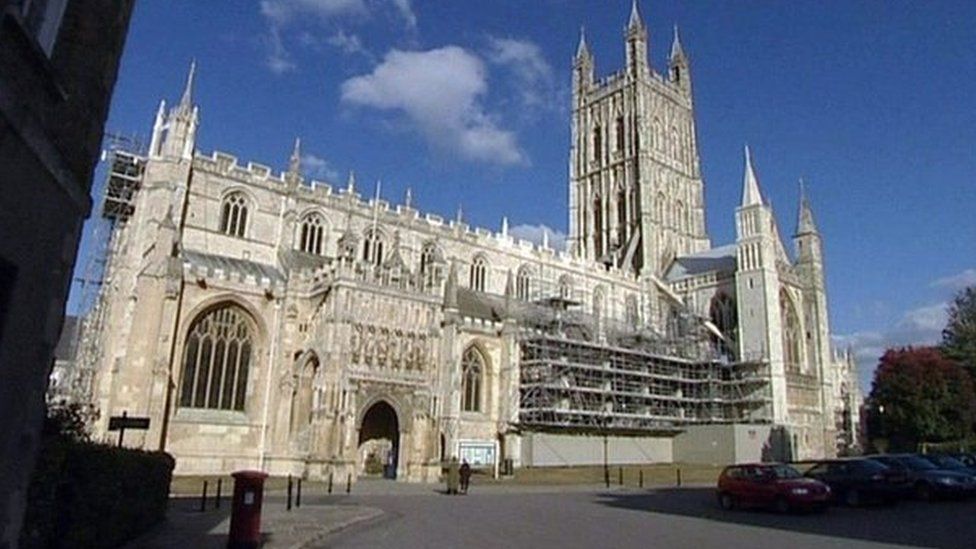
{"x": 784, "y": 471}
{"x": 917, "y": 464}
{"x": 947, "y": 462}
{"x": 869, "y": 466}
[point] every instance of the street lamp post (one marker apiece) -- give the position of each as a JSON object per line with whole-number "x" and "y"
{"x": 606, "y": 463}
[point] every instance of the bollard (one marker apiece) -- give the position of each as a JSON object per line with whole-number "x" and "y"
{"x": 217, "y": 499}
{"x": 298, "y": 496}
{"x": 348, "y": 483}
{"x": 288, "y": 505}
{"x": 203, "y": 498}
{"x": 640, "y": 481}
{"x": 620, "y": 476}
{"x": 330, "y": 483}
{"x": 678, "y": 475}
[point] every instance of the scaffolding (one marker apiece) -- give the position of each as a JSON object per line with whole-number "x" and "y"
{"x": 124, "y": 161}
{"x": 580, "y": 373}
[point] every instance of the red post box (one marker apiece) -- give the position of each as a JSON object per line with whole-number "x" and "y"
{"x": 245, "y": 515}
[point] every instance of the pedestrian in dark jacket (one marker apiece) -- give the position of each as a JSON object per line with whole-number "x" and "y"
{"x": 465, "y": 473}
{"x": 453, "y": 476}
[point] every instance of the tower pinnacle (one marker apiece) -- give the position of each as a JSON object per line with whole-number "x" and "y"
{"x": 295, "y": 161}
{"x": 804, "y": 221}
{"x": 583, "y": 50}
{"x": 186, "y": 102}
{"x": 750, "y": 184}
{"x": 635, "y": 21}
{"x": 677, "y": 51}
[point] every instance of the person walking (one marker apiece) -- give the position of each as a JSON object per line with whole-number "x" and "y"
{"x": 465, "y": 474}
{"x": 453, "y": 476}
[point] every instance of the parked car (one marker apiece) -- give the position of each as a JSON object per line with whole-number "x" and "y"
{"x": 949, "y": 463}
{"x": 967, "y": 459}
{"x": 927, "y": 480}
{"x": 776, "y": 486}
{"x": 858, "y": 481}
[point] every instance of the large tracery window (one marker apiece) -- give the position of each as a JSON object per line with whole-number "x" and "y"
{"x": 233, "y": 214}
{"x": 723, "y": 315}
{"x": 373, "y": 248}
{"x": 312, "y": 236}
{"x": 479, "y": 274}
{"x": 791, "y": 332}
{"x": 216, "y": 360}
{"x": 523, "y": 284}
{"x": 472, "y": 372}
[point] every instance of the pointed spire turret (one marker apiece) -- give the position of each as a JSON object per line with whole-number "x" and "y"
{"x": 351, "y": 182}
{"x": 635, "y": 21}
{"x": 295, "y": 161}
{"x": 505, "y": 226}
{"x": 750, "y": 184}
{"x": 583, "y": 50}
{"x": 804, "y": 221}
{"x": 186, "y": 102}
{"x": 408, "y": 199}
{"x": 677, "y": 51}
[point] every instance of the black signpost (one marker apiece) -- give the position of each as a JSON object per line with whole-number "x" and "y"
{"x": 123, "y": 422}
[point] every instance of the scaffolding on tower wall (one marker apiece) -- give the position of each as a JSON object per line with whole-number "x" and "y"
{"x": 124, "y": 161}
{"x": 580, "y": 373}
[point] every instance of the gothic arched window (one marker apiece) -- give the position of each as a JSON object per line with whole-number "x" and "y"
{"x": 679, "y": 216}
{"x": 233, "y": 214}
{"x": 599, "y": 304}
{"x": 598, "y": 144}
{"x": 631, "y": 311}
{"x": 373, "y": 247}
{"x": 791, "y": 332}
{"x": 216, "y": 360}
{"x": 312, "y": 234}
{"x": 660, "y": 207}
{"x": 723, "y": 315}
{"x": 657, "y": 134}
{"x": 620, "y": 133}
{"x": 472, "y": 373}
{"x": 565, "y": 287}
{"x": 479, "y": 274}
{"x": 523, "y": 283}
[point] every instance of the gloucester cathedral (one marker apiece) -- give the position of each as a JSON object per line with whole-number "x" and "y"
{"x": 262, "y": 320}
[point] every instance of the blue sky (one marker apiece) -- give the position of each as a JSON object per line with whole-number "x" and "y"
{"x": 467, "y": 104}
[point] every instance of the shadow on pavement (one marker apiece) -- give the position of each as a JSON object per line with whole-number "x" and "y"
{"x": 938, "y": 524}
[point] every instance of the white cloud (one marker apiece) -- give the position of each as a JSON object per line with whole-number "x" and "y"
{"x": 920, "y": 326}
{"x": 348, "y": 43}
{"x": 280, "y": 12}
{"x": 406, "y": 11}
{"x": 278, "y": 60}
{"x": 440, "y": 92}
{"x": 533, "y": 74}
{"x": 533, "y": 233}
{"x": 958, "y": 281}
{"x": 319, "y": 168}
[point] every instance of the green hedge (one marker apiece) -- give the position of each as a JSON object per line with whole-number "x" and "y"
{"x": 92, "y": 495}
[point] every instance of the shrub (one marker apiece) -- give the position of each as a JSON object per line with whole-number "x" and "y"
{"x": 92, "y": 495}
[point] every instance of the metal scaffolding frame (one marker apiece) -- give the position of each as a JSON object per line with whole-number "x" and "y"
{"x": 581, "y": 373}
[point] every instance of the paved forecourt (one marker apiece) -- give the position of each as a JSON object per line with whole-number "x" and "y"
{"x": 586, "y": 516}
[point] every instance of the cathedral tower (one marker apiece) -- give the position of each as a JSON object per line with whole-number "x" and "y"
{"x": 636, "y": 192}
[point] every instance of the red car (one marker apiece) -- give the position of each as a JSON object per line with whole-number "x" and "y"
{"x": 771, "y": 485}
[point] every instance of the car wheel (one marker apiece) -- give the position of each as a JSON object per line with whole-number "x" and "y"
{"x": 781, "y": 505}
{"x": 923, "y": 491}
{"x": 726, "y": 501}
{"x": 853, "y": 498}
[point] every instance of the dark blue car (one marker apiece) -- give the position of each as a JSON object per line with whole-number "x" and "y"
{"x": 928, "y": 481}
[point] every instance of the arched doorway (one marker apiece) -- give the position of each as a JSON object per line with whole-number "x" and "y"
{"x": 379, "y": 441}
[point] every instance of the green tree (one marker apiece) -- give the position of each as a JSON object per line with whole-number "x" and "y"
{"x": 919, "y": 395}
{"x": 959, "y": 335}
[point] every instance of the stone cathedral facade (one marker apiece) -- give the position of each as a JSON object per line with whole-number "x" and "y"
{"x": 262, "y": 320}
